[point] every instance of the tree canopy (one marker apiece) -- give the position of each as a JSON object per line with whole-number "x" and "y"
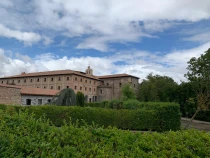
{"x": 157, "y": 88}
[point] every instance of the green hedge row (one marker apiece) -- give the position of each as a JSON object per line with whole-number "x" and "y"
{"x": 22, "y": 135}
{"x": 162, "y": 119}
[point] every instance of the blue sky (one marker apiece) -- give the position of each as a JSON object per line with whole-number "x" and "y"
{"x": 137, "y": 37}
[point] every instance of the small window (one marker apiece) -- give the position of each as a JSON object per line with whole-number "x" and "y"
{"x": 28, "y": 101}
{"x": 44, "y": 87}
{"x": 7, "y": 81}
{"x": 31, "y": 80}
{"x": 25, "y": 80}
{"x": 13, "y": 81}
{"x": 81, "y": 80}
{"x": 75, "y": 78}
{"x": 67, "y": 86}
{"x": 134, "y": 85}
{"x": 80, "y": 88}
{"x": 85, "y": 88}
{"x": 38, "y": 80}
{"x": 89, "y": 89}
{"x": 37, "y": 87}
{"x": 45, "y": 79}
{"x": 39, "y": 101}
{"x": 51, "y": 87}
{"x": 67, "y": 78}
{"x": 59, "y": 79}
{"x": 85, "y": 81}
{"x": 59, "y": 87}
{"x": 49, "y": 100}
{"x": 120, "y": 84}
{"x": 51, "y": 79}
{"x": 94, "y": 89}
{"x": 101, "y": 91}
{"x": 107, "y": 84}
{"x": 2, "y": 82}
{"x": 75, "y": 87}
{"x": 18, "y": 81}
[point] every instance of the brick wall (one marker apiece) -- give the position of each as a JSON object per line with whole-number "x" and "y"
{"x": 10, "y": 96}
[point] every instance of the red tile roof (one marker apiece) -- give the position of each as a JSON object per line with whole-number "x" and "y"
{"x": 51, "y": 73}
{"x": 33, "y": 91}
{"x": 116, "y": 75}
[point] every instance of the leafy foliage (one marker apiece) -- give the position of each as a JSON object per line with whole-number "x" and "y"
{"x": 80, "y": 98}
{"x": 157, "y": 88}
{"x": 66, "y": 97}
{"x": 22, "y": 135}
{"x": 127, "y": 92}
{"x": 155, "y": 117}
{"x": 131, "y": 104}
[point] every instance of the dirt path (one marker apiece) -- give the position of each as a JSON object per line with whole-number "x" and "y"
{"x": 200, "y": 125}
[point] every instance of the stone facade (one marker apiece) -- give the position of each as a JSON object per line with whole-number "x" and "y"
{"x": 10, "y": 95}
{"x": 95, "y": 88}
{"x": 28, "y": 100}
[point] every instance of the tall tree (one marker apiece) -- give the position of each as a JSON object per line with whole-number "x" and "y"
{"x": 127, "y": 92}
{"x": 157, "y": 88}
{"x": 199, "y": 74}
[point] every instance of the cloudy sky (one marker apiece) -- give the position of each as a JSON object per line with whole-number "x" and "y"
{"x": 137, "y": 37}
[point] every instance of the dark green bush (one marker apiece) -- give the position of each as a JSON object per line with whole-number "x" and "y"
{"x": 162, "y": 118}
{"x": 22, "y": 135}
{"x": 131, "y": 104}
{"x": 115, "y": 104}
{"x": 80, "y": 99}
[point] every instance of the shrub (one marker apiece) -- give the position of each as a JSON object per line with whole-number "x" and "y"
{"x": 115, "y": 104}
{"x": 80, "y": 99}
{"x": 22, "y": 135}
{"x": 131, "y": 104}
{"x": 127, "y": 92}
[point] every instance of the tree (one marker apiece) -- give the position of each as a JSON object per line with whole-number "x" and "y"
{"x": 157, "y": 88}
{"x": 66, "y": 97}
{"x": 80, "y": 99}
{"x": 199, "y": 74}
{"x": 127, "y": 92}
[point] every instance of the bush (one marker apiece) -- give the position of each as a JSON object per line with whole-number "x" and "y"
{"x": 80, "y": 99}
{"x": 115, "y": 104}
{"x": 21, "y": 135}
{"x": 131, "y": 104}
{"x": 163, "y": 118}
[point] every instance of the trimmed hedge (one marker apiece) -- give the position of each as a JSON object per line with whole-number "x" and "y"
{"x": 21, "y": 135}
{"x": 163, "y": 118}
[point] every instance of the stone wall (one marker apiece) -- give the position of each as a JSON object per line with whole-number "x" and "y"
{"x": 10, "y": 96}
{"x": 35, "y": 100}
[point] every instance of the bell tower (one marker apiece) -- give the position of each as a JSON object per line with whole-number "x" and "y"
{"x": 89, "y": 71}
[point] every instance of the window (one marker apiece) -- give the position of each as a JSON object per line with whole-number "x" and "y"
{"x": 25, "y": 80}
{"x": 120, "y": 84}
{"x": 67, "y": 78}
{"x": 75, "y": 87}
{"x": 44, "y": 87}
{"x": 85, "y": 88}
{"x": 13, "y": 81}
{"x": 59, "y": 87}
{"x": 90, "y": 81}
{"x": 18, "y": 81}
{"x": 51, "y": 87}
{"x": 38, "y": 80}
{"x": 75, "y": 78}
{"x": 85, "y": 81}
{"x": 81, "y": 80}
{"x": 134, "y": 85}
{"x": 2, "y": 82}
{"x": 28, "y": 101}
{"x": 39, "y": 101}
{"x": 31, "y": 80}
{"x": 49, "y": 100}
{"x": 51, "y": 79}
{"x": 80, "y": 88}
{"x": 94, "y": 89}
{"x": 89, "y": 89}
{"x": 37, "y": 87}
{"x": 101, "y": 91}
{"x": 45, "y": 79}
{"x": 107, "y": 84}
{"x": 59, "y": 79}
{"x": 7, "y": 81}
{"x": 67, "y": 86}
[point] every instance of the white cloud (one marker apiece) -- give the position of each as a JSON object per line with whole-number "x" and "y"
{"x": 27, "y": 37}
{"x": 138, "y": 63}
{"x": 105, "y": 21}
